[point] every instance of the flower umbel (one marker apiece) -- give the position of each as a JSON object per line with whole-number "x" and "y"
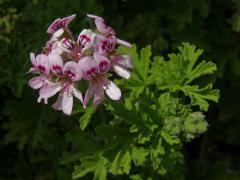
{"x": 65, "y": 62}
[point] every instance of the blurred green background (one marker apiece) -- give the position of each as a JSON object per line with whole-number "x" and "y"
{"x": 32, "y": 134}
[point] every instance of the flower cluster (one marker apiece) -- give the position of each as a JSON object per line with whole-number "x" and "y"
{"x": 64, "y": 62}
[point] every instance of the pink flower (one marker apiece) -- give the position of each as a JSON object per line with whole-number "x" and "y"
{"x": 72, "y": 73}
{"x": 101, "y": 25}
{"x": 65, "y": 99}
{"x": 104, "y": 45}
{"x": 76, "y": 50}
{"x": 94, "y": 70}
{"x": 121, "y": 65}
{"x": 40, "y": 65}
{"x": 60, "y": 24}
{"x": 107, "y": 30}
{"x": 64, "y": 62}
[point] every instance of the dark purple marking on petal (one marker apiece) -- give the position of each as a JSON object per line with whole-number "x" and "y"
{"x": 68, "y": 44}
{"x": 108, "y": 45}
{"x": 58, "y": 25}
{"x": 57, "y": 69}
{"x": 41, "y": 68}
{"x": 83, "y": 40}
{"x": 103, "y": 66}
{"x": 70, "y": 74}
{"x": 92, "y": 72}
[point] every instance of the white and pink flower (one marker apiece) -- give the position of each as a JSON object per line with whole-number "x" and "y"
{"x": 65, "y": 62}
{"x": 41, "y": 67}
{"x": 94, "y": 70}
{"x": 71, "y": 74}
{"x": 106, "y": 30}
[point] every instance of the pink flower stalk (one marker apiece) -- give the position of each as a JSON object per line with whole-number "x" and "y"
{"x": 65, "y": 62}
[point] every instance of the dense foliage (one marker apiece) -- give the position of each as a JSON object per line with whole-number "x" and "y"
{"x": 165, "y": 103}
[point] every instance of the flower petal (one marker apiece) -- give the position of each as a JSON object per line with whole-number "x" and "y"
{"x": 42, "y": 63}
{"x": 58, "y": 104}
{"x": 77, "y": 94}
{"x": 125, "y": 61}
{"x": 89, "y": 94}
{"x": 89, "y": 67}
{"x": 95, "y": 17}
{"x": 52, "y": 28}
{"x": 103, "y": 63}
{"x": 66, "y": 45}
{"x": 122, "y": 71}
{"x": 112, "y": 90}
{"x": 60, "y": 23}
{"x": 101, "y": 25}
{"x": 48, "y": 91}
{"x": 72, "y": 70}
{"x": 104, "y": 45}
{"x": 37, "y": 82}
{"x": 56, "y": 63}
{"x": 67, "y": 20}
{"x": 67, "y": 102}
{"x": 99, "y": 95}
{"x": 86, "y": 38}
{"x": 124, "y": 43}
{"x": 58, "y": 34}
{"x": 33, "y": 59}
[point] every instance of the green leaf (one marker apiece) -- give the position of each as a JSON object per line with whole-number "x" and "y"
{"x": 200, "y": 96}
{"x": 88, "y": 165}
{"x": 100, "y": 172}
{"x": 86, "y": 117}
{"x": 141, "y": 63}
{"x": 115, "y": 167}
{"x": 121, "y": 163}
{"x": 201, "y": 69}
{"x": 181, "y": 69}
{"x": 170, "y": 139}
{"x": 164, "y": 101}
{"x": 136, "y": 177}
{"x": 91, "y": 164}
{"x": 139, "y": 155}
{"x": 139, "y": 78}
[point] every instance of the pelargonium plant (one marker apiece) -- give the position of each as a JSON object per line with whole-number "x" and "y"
{"x": 66, "y": 61}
